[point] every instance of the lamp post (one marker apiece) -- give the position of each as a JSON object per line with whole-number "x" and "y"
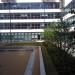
{"x": 44, "y": 14}
{"x": 8, "y": 2}
{"x": 10, "y": 21}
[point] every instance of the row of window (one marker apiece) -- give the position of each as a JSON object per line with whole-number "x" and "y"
{"x": 40, "y": 5}
{"x": 20, "y": 36}
{"x": 23, "y": 26}
{"x": 69, "y": 9}
{"x": 71, "y": 21}
{"x": 29, "y": 15}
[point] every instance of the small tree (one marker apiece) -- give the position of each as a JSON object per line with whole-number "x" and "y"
{"x": 50, "y": 33}
{"x": 56, "y": 33}
{"x": 63, "y": 32}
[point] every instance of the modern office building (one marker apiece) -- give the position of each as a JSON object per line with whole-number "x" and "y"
{"x": 69, "y": 17}
{"x": 25, "y": 20}
{"x": 69, "y": 13}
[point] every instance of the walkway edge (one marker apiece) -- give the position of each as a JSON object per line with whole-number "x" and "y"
{"x": 29, "y": 67}
{"x": 42, "y": 67}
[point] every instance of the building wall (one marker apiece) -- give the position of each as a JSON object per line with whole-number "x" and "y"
{"x": 26, "y": 21}
{"x": 69, "y": 18}
{"x": 5, "y": 1}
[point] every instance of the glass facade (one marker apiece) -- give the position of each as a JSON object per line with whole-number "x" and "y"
{"x": 69, "y": 7}
{"x": 26, "y": 36}
{"x": 70, "y": 20}
{"x": 46, "y": 5}
{"x": 15, "y": 37}
{"x": 30, "y": 15}
{"x": 69, "y": 10}
{"x": 23, "y": 25}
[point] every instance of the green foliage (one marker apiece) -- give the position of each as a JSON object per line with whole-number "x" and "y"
{"x": 57, "y": 33}
{"x": 11, "y": 45}
{"x": 49, "y": 66}
{"x": 50, "y": 33}
{"x": 64, "y": 63}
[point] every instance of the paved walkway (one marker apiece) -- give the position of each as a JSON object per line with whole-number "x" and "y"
{"x": 29, "y": 68}
{"x": 36, "y": 67}
{"x": 42, "y": 68}
{"x": 35, "y": 64}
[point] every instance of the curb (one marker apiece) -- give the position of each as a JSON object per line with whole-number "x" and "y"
{"x": 42, "y": 67}
{"x": 30, "y": 64}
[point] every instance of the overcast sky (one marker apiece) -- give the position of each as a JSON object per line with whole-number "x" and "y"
{"x": 67, "y": 2}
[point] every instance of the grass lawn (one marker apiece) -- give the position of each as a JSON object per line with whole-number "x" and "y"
{"x": 25, "y": 44}
{"x": 13, "y": 45}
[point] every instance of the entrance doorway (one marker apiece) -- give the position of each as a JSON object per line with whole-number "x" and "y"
{"x": 38, "y": 37}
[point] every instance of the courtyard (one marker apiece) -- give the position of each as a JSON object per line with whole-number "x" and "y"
{"x": 20, "y": 60}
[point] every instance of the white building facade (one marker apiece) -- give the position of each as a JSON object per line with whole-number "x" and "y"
{"x": 25, "y": 20}
{"x": 69, "y": 14}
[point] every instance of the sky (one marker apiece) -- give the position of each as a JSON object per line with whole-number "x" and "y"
{"x": 67, "y": 2}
